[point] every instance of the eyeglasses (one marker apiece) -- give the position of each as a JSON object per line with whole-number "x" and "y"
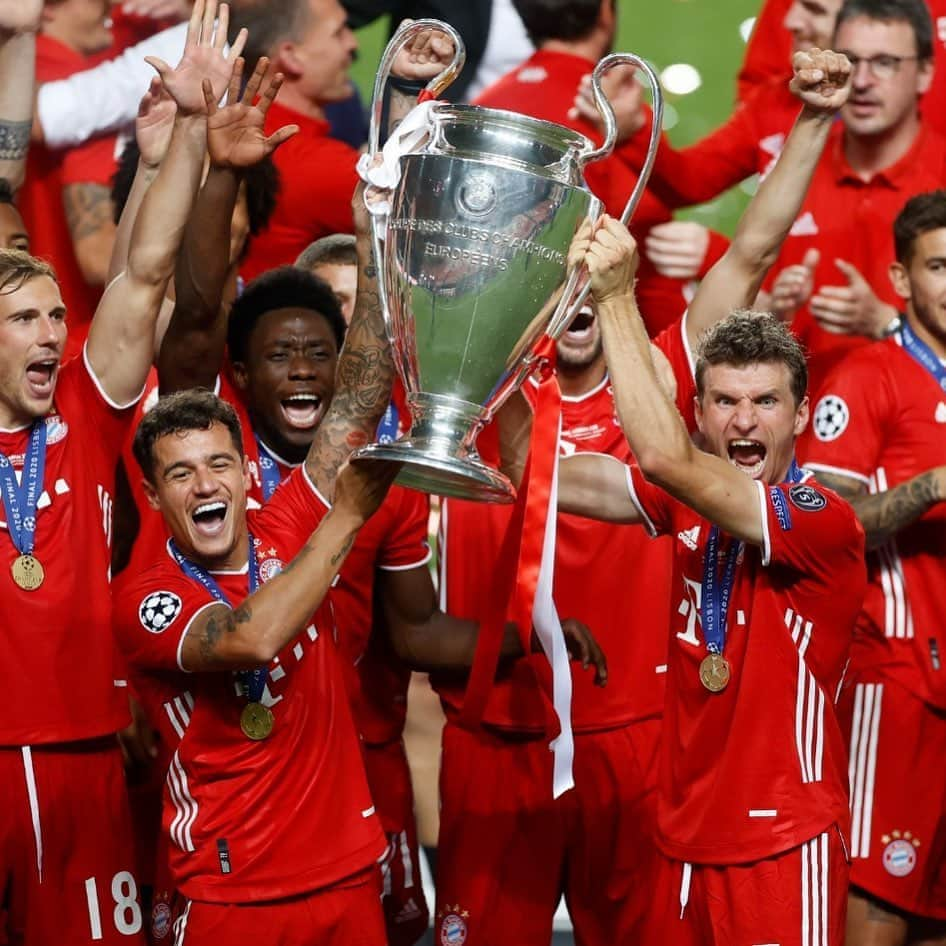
{"x": 883, "y": 66}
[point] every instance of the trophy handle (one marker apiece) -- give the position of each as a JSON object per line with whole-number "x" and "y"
{"x": 402, "y": 36}
{"x": 610, "y": 135}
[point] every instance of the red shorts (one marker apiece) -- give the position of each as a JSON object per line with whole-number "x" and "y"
{"x": 798, "y": 898}
{"x": 66, "y": 857}
{"x": 508, "y": 851}
{"x": 898, "y": 796}
{"x": 346, "y": 914}
{"x": 402, "y": 897}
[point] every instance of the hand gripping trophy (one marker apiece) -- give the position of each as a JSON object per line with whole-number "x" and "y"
{"x": 473, "y": 254}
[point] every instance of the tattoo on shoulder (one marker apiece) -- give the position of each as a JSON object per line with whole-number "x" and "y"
{"x": 14, "y": 140}
{"x": 88, "y": 209}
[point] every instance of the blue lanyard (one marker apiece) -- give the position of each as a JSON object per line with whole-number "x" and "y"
{"x": 253, "y": 680}
{"x": 20, "y": 500}
{"x": 919, "y": 351}
{"x": 269, "y": 470}
{"x": 387, "y": 428}
{"x": 717, "y": 591}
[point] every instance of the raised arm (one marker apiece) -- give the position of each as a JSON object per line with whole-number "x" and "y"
{"x": 821, "y": 81}
{"x": 120, "y": 348}
{"x": 19, "y": 23}
{"x": 192, "y": 350}
{"x": 653, "y": 427}
{"x": 253, "y": 633}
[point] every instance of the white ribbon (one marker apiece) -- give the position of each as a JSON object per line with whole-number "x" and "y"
{"x": 548, "y": 629}
{"x": 409, "y": 135}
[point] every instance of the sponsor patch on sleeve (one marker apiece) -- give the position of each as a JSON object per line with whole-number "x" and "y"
{"x": 158, "y": 610}
{"x": 807, "y": 498}
{"x": 780, "y": 505}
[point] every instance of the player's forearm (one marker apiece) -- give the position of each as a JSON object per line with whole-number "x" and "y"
{"x": 363, "y": 386}
{"x": 594, "y": 485}
{"x": 649, "y": 419}
{"x": 159, "y": 226}
{"x": 883, "y": 515}
{"x": 772, "y": 211}
{"x": 192, "y": 350}
{"x": 144, "y": 176}
{"x": 253, "y": 633}
{"x": 17, "y": 70}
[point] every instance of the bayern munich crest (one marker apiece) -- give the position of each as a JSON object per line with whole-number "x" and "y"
{"x": 831, "y": 418}
{"x": 158, "y": 611}
{"x": 56, "y": 429}
{"x": 453, "y": 929}
{"x": 160, "y": 920}
{"x": 270, "y": 568}
{"x": 899, "y": 856}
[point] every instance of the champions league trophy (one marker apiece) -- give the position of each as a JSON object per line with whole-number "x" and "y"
{"x": 473, "y": 264}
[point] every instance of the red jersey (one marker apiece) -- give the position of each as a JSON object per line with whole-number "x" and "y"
{"x": 761, "y": 766}
{"x": 769, "y": 56}
{"x": 587, "y": 584}
{"x": 880, "y": 421}
{"x": 317, "y": 178}
{"x": 846, "y": 217}
{"x": 304, "y": 818}
{"x": 544, "y": 87}
{"x": 40, "y": 200}
{"x": 59, "y": 658}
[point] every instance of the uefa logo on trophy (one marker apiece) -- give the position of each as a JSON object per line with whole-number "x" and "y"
{"x": 473, "y": 264}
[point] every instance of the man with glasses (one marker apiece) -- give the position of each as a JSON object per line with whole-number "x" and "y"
{"x": 832, "y": 273}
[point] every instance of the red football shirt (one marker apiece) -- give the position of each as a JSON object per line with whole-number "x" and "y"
{"x": 769, "y": 56}
{"x": 544, "y": 87}
{"x": 305, "y": 818}
{"x": 761, "y": 766}
{"x": 40, "y": 200}
{"x": 317, "y": 178}
{"x": 880, "y": 421}
{"x": 588, "y": 585}
{"x": 846, "y": 217}
{"x": 63, "y": 676}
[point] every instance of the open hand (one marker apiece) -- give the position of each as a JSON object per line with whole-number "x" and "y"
{"x": 677, "y": 248}
{"x": 203, "y": 58}
{"x": 235, "y": 137}
{"x": 154, "y": 123}
{"x": 852, "y": 309}
{"x": 822, "y": 79}
{"x": 793, "y": 285}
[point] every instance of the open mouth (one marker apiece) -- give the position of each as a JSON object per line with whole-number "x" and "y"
{"x": 41, "y": 377}
{"x": 582, "y": 327}
{"x": 209, "y": 518}
{"x": 302, "y": 411}
{"x": 748, "y": 456}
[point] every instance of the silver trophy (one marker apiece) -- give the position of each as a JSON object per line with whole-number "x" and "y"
{"x": 474, "y": 267}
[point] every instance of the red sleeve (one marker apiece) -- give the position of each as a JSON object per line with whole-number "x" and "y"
{"x": 769, "y": 52}
{"x": 672, "y": 341}
{"x": 654, "y": 505}
{"x": 809, "y": 529}
{"x": 851, "y": 419}
{"x": 294, "y": 511}
{"x": 90, "y": 163}
{"x": 152, "y": 615}
{"x": 320, "y": 184}
{"x": 692, "y": 175}
{"x": 406, "y": 545}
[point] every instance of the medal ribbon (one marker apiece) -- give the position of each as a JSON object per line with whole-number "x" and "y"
{"x": 387, "y": 428}
{"x": 254, "y": 681}
{"x": 919, "y": 351}
{"x": 20, "y": 500}
{"x": 268, "y": 471}
{"x": 717, "y": 591}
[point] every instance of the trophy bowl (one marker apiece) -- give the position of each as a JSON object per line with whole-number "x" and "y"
{"x": 473, "y": 254}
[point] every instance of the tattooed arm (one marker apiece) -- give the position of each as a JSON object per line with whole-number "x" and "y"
{"x": 252, "y": 634}
{"x": 883, "y": 515}
{"x": 89, "y": 215}
{"x": 19, "y": 22}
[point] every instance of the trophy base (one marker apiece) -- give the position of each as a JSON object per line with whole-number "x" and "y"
{"x": 467, "y": 478}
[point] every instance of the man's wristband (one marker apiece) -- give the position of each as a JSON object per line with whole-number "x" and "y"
{"x": 411, "y": 87}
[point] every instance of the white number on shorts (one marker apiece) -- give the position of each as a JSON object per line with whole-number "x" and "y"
{"x": 127, "y": 913}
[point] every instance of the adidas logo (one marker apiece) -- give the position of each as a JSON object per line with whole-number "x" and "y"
{"x": 804, "y": 226}
{"x": 689, "y": 537}
{"x": 940, "y": 414}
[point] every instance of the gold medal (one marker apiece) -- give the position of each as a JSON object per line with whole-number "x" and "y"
{"x": 714, "y": 672}
{"x": 28, "y": 572}
{"x": 256, "y": 721}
